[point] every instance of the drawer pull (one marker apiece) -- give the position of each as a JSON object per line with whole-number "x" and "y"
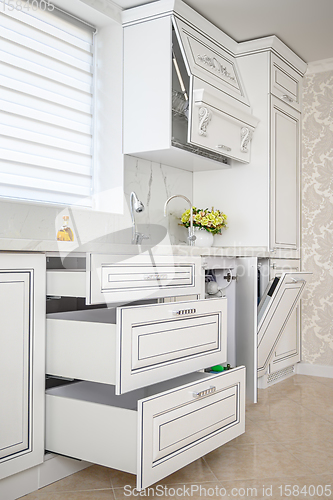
{"x": 183, "y": 312}
{"x": 287, "y": 98}
{"x": 222, "y": 146}
{"x": 204, "y": 393}
{"x": 150, "y": 277}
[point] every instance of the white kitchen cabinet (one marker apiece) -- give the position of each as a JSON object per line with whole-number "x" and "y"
{"x": 288, "y": 350}
{"x": 285, "y": 176}
{"x": 138, "y": 401}
{"x": 264, "y": 338}
{"x": 262, "y": 201}
{"x": 188, "y": 108}
{"x": 22, "y": 361}
{"x": 286, "y": 83}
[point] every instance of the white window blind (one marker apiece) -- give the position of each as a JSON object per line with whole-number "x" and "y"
{"x": 46, "y": 103}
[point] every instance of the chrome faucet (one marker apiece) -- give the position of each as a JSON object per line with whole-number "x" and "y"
{"x": 191, "y": 237}
{"x": 137, "y": 206}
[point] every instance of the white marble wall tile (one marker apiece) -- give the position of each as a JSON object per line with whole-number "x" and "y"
{"x": 152, "y": 182}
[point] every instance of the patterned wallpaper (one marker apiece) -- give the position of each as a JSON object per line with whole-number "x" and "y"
{"x": 317, "y": 220}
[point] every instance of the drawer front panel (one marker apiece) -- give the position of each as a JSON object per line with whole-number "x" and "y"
{"x": 133, "y": 277}
{"x": 117, "y": 278}
{"x": 175, "y": 339}
{"x": 177, "y": 427}
{"x": 221, "y": 135}
{"x": 161, "y": 341}
{"x": 286, "y": 83}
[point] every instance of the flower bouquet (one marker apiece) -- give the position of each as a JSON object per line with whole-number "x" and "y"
{"x": 211, "y": 220}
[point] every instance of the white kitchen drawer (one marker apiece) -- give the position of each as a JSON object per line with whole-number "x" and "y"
{"x": 150, "y": 432}
{"x": 133, "y": 346}
{"x": 286, "y": 83}
{"x": 125, "y": 278}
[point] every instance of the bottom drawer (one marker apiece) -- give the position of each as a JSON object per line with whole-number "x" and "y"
{"x": 150, "y": 432}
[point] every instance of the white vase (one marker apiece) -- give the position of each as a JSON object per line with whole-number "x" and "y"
{"x": 204, "y": 238}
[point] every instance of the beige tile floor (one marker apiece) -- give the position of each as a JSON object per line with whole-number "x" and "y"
{"x": 285, "y": 453}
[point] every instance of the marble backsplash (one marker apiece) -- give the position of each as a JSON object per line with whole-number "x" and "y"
{"x": 152, "y": 182}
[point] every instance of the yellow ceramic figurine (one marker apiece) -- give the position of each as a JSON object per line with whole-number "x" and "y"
{"x": 65, "y": 233}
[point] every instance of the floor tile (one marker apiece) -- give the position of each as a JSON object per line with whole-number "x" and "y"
{"x": 71, "y": 495}
{"x": 306, "y": 428}
{"x": 316, "y": 455}
{"x": 254, "y": 461}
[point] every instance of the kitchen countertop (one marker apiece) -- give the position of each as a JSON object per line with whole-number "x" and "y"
{"x": 64, "y": 248}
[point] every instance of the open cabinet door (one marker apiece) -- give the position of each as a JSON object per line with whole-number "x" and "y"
{"x": 275, "y": 309}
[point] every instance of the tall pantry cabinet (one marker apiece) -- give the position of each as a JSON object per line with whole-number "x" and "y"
{"x": 262, "y": 200}
{"x": 22, "y": 361}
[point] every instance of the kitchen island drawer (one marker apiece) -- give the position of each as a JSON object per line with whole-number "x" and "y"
{"x": 125, "y": 278}
{"x": 112, "y": 278}
{"x": 150, "y": 432}
{"x": 132, "y": 346}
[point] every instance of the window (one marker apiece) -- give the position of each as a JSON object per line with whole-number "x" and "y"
{"x": 46, "y": 103}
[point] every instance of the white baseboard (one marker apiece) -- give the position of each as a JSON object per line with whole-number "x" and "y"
{"x": 314, "y": 370}
{"x": 51, "y": 470}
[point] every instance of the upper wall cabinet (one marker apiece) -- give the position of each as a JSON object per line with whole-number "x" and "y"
{"x": 184, "y": 101}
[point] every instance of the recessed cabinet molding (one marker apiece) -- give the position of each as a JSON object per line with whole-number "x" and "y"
{"x": 135, "y": 345}
{"x": 193, "y": 65}
{"x": 278, "y": 304}
{"x": 220, "y": 126}
{"x": 149, "y": 432}
{"x": 286, "y": 83}
{"x": 22, "y": 362}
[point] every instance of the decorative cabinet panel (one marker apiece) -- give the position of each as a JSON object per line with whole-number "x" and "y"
{"x": 125, "y": 278}
{"x": 149, "y": 432}
{"x": 288, "y": 349}
{"x": 163, "y": 114}
{"x": 22, "y": 359}
{"x": 286, "y": 83}
{"x": 274, "y": 312}
{"x": 285, "y": 175}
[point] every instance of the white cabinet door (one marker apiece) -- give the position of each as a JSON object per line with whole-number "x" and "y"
{"x": 22, "y": 291}
{"x": 287, "y": 351}
{"x": 274, "y": 311}
{"x": 285, "y": 176}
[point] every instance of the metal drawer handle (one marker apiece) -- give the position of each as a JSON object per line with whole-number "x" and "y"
{"x": 222, "y": 146}
{"x": 183, "y": 312}
{"x": 206, "y": 392}
{"x": 287, "y": 98}
{"x": 149, "y": 277}
{"x": 293, "y": 280}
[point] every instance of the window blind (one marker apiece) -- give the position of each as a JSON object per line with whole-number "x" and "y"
{"x": 46, "y": 104}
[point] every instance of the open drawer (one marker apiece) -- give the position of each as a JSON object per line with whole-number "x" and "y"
{"x": 125, "y": 278}
{"x": 135, "y": 346}
{"x": 150, "y": 432}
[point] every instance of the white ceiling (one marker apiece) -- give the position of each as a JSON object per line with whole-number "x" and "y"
{"x": 306, "y": 26}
